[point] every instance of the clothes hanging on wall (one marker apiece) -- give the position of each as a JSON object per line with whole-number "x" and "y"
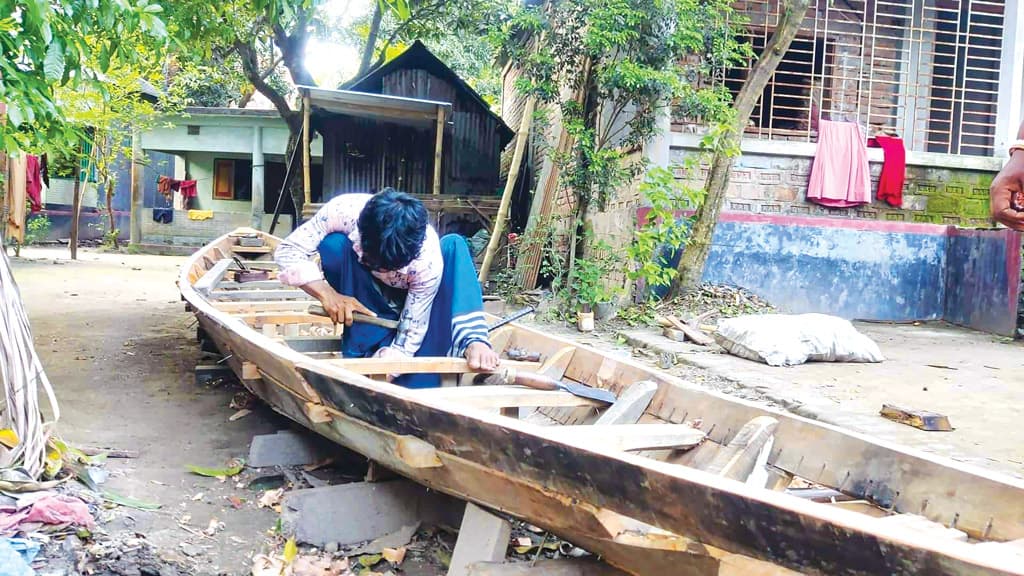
{"x": 163, "y": 215}
{"x": 840, "y": 176}
{"x": 34, "y": 182}
{"x": 188, "y": 188}
{"x": 894, "y": 169}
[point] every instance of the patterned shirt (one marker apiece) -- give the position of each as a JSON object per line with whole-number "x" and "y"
{"x": 421, "y": 277}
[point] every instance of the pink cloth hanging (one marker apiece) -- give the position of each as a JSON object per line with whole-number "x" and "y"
{"x": 840, "y": 176}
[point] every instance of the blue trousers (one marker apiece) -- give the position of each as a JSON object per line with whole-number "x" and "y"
{"x": 457, "y": 309}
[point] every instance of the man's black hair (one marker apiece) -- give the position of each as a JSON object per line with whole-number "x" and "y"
{"x": 392, "y": 227}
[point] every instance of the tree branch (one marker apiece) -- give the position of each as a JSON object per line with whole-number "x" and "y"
{"x": 250, "y": 66}
{"x": 371, "y": 39}
{"x": 293, "y": 48}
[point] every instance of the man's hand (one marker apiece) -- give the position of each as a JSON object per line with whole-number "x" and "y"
{"x": 481, "y": 357}
{"x": 338, "y": 307}
{"x": 1009, "y": 183}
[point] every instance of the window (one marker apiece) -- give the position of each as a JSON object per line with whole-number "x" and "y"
{"x": 232, "y": 179}
{"x": 926, "y": 70}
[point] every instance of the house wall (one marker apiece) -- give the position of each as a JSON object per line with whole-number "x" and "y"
{"x": 199, "y": 167}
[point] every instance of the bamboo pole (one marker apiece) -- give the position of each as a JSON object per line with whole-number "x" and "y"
{"x": 438, "y": 145}
{"x": 306, "y": 177}
{"x": 510, "y": 184}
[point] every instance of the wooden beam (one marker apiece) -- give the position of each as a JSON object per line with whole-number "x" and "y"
{"x": 630, "y": 405}
{"x": 423, "y": 365}
{"x": 438, "y": 146}
{"x": 556, "y": 364}
{"x": 736, "y": 460}
{"x": 307, "y": 189}
{"x": 922, "y": 525}
{"x": 483, "y": 537}
{"x": 628, "y": 437}
{"x": 505, "y": 396}
{"x": 263, "y": 295}
{"x": 212, "y": 277}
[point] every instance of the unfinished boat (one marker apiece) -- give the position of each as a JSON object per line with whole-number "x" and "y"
{"x": 668, "y": 479}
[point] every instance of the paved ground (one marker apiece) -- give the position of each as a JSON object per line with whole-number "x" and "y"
{"x": 974, "y": 378}
{"x": 116, "y": 342}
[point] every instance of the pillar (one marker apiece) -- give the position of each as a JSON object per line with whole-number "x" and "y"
{"x": 135, "y": 217}
{"x": 258, "y": 181}
{"x": 1011, "y": 78}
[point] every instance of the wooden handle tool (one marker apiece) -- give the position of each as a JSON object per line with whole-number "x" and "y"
{"x": 318, "y": 310}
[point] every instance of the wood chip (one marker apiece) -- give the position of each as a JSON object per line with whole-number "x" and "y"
{"x": 922, "y": 419}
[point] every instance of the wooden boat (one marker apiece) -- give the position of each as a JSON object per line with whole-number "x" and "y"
{"x": 671, "y": 479}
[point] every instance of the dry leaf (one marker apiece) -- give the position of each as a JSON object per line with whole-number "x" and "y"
{"x": 271, "y": 498}
{"x": 291, "y": 550}
{"x": 394, "y": 555}
{"x": 236, "y": 502}
{"x": 214, "y": 527}
{"x": 263, "y": 565}
{"x": 240, "y": 414}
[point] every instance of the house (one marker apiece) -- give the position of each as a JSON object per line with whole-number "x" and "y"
{"x": 946, "y": 76}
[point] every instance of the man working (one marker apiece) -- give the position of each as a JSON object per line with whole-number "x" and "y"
{"x": 1006, "y": 196}
{"x": 380, "y": 257}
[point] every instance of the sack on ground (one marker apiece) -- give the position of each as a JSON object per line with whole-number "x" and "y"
{"x": 789, "y": 340}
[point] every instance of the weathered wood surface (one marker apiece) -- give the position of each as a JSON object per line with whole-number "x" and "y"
{"x": 418, "y": 365}
{"x": 923, "y": 419}
{"x": 505, "y": 396}
{"x": 212, "y": 277}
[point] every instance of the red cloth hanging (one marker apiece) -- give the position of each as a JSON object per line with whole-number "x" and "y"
{"x": 34, "y": 182}
{"x": 188, "y": 189}
{"x": 894, "y": 169}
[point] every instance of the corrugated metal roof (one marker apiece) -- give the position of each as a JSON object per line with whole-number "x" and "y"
{"x": 409, "y": 111}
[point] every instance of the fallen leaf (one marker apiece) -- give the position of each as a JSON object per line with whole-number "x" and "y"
{"x": 9, "y": 438}
{"x": 240, "y": 414}
{"x": 370, "y": 560}
{"x": 291, "y": 550}
{"x": 263, "y": 565}
{"x": 236, "y": 502}
{"x": 233, "y": 468}
{"x": 394, "y": 555}
{"x": 129, "y": 502}
{"x": 271, "y": 498}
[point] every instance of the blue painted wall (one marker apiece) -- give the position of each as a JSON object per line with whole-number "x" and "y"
{"x": 844, "y": 272}
{"x": 980, "y": 279}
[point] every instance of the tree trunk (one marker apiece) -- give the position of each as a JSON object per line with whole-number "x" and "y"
{"x": 691, "y": 264}
{"x": 371, "y": 40}
{"x": 76, "y": 211}
{"x": 112, "y": 221}
{"x": 295, "y": 186}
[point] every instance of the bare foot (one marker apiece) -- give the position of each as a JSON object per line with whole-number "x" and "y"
{"x": 481, "y": 357}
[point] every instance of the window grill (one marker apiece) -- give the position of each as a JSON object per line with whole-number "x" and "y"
{"x": 926, "y": 70}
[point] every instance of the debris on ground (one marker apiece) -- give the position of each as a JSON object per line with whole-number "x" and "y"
{"x": 922, "y": 419}
{"x": 722, "y": 300}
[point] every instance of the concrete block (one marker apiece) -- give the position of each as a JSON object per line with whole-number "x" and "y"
{"x": 483, "y": 537}
{"x": 349, "y": 514}
{"x": 287, "y": 448}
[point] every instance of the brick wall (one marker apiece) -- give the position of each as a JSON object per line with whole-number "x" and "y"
{"x": 771, "y": 184}
{"x": 184, "y": 232}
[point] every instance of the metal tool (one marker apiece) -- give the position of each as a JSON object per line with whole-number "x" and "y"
{"x": 318, "y": 310}
{"x": 512, "y": 318}
{"x": 508, "y": 376}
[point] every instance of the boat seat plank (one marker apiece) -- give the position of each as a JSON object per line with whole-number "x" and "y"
{"x": 212, "y": 277}
{"x": 737, "y": 459}
{"x": 630, "y": 437}
{"x": 263, "y": 295}
{"x": 418, "y": 365}
{"x": 504, "y": 396}
{"x": 253, "y": 285}
{"x": 238, "y": 249}
{"x": 922, "y": 525}
{"x": 630, "y": 405}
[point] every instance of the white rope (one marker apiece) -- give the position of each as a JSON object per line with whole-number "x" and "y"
{"x": 23, "y": 376}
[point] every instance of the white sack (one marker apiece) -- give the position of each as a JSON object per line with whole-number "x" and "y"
{"x": 788, "y": 340}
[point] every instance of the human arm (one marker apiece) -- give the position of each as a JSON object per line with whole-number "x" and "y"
{"x": 1008, "y": 183}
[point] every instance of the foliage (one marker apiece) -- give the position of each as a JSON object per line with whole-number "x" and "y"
{"x": 589, "y": 276}
{"x": 67, "y": 43}
{"x": 36, "y": 229}
{"x": 661, "y": 231}
{"x": 642, "y": 314}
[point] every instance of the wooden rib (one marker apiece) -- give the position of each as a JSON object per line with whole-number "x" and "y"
{"x": 212, "y": 277}
{"x": 628, "y": 437}
{"x": 261, "y": 318}
{"x": 504, "y": 396}
{"x": 255, "y": 307}
{"x": 252, "y": 249}
{"x": 253, "y": 285}
{"x": 630, "y": 405}
{"x": 262, "y": 295}
{"x": 424, "y": 365}
{"x": 736, "y": 459}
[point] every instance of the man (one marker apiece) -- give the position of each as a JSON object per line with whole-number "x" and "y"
{"x": 380, "y": 257}
{"x": 1008, "y": 188}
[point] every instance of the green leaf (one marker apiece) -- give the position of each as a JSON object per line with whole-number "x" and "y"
{"x": 291, "y": 550}
{"x": 14, "y": 114}
{"x": 232, "y": 470}
{"x": 53, "y": 65}
{"x": 370, "y": 560}
{"x": 129, "y": 502}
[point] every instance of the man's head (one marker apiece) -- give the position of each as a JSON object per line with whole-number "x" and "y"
{"x": 392, "y": 227}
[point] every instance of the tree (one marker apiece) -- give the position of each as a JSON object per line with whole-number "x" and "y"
{"x": 611, "y": 68}
{"x": 691, "y": 264}
{"x": 44, "y": 45}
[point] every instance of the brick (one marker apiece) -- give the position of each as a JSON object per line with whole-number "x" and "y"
{"x": 927, "y": 218}
{"x": 751, "y": 191}
{"x": 867, "y": 214}
{"x": 954, "y": 190}
{"x": 940, "y": 203}
{"x": 769, "y": 177}
{"x": 974, "y": 207}
{"x": 895, "y": 216}
{"x": 979, "y": 192}
{"x": 802, "y": 210}
{"x": 951, "y": 220}
{"x": 771, "y": 208}
{"x": 741, "y": 176}
{"x": 782, "y": 193}
{"x": 914, "y": 202}
{"x": 740, "y": 206}
{"x": 926, "y": 189}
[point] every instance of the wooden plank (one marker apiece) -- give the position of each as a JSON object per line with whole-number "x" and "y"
{"x": 630, "y": 405}
{"x": 212, "y": 277}
{"x": 923, "y": 419}
{"x": 504, "y": 396}
{"x": 560, "y": 567}
{"x": 438, "y": 150}
{"x": 419, "y": 365}
{"x": 253, "y": 285}
{"x": 556, "y": 364}
{"x": 922, "y": 525}
{"x": 692, "y": 333}
{"x": 483, "y": 537}
{"x": 239, "y": 249}
{"x": 416, "y": 453}
{"x": 256, "y": 295}
{"x": 250, "y": 307}
{"x": 628, "y": 437}
{"x": 736, "y": 460}
{"x": 262, "y": 318}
